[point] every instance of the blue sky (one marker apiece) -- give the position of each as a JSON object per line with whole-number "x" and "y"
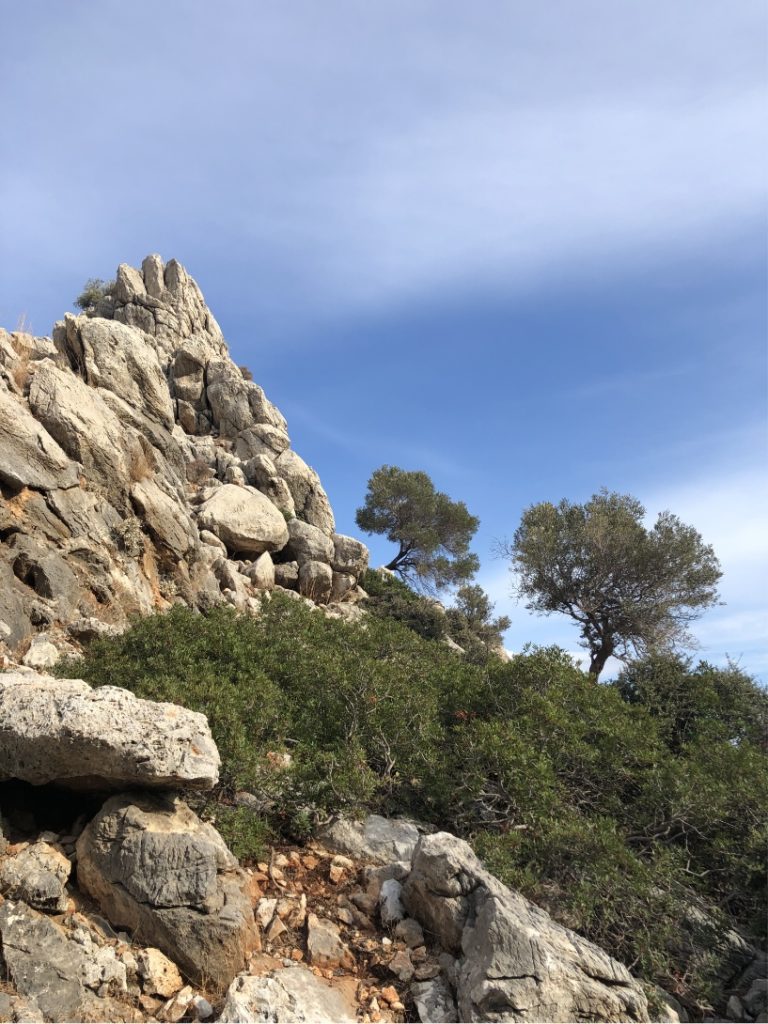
{"x": 520, "y": 246}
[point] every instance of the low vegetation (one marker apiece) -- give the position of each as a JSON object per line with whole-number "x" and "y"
{"x": 618, "y": 807}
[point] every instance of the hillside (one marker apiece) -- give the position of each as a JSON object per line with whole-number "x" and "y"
{"x": 244, "y": 777}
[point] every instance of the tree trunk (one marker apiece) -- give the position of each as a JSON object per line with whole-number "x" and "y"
{"x": 598, "y": 660}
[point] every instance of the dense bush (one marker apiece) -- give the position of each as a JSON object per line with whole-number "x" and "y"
{"x": 94, "y": 290}
{"x": 616, "y": 807}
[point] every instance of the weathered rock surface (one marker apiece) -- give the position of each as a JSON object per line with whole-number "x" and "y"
{"x": 58, "y": 975}
{"x": 290, "y": 996}
{"x": 62, "y": 730}
{"x": 37, "y": 875}
{"x": 124, "y": 438}
{"x": 244, "y": 519}
{"x": 156, "y": 869}
{"x": 376, "y": 839}
{"x": 515, "y": 962}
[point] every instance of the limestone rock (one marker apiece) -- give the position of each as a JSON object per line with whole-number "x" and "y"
{"x": 324, "y": 945}
{"x": 291, "y": 996}
{"x": 315, "y": 581}
{"x": 51, "y": 969}
{"x": 308, "y": 544}
{"x": 244, "y": 519}
{"x": 350, "y": 556}
{"x": 434, "y": 1001}
{"x": 83, "y": 424}
{"x": 156, "y": 869}
{"x": 62, "y": 730}
{"x": 29, "y": 456}
{"x": 262, "y": 572}
{"x": 37, "y": 875}
{"x": 516, "y": 963}
{"x": 164, "y": 516}
{"x": 375, "y": 839}
{"x": 159, "y": 975}
{"x": 121, "y": 439}
{"x": 309, "y": 498}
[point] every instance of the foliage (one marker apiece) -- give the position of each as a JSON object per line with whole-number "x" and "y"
{"x": 630, "y": 589}
{"x": 603, "y": 804}
{"x": 391, "y": 598}
{"x": 470, "y": 623}
{"x": 94, "y": 290}
{"x": 433, "y": 533}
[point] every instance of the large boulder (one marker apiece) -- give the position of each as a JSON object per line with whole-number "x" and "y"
{"x": 515, "y": 962}
{"x": 62, "y": 730}
{"x": 308, "y": 544}
{"x": 155, "y": 868}
{"x": 244, "y": 519}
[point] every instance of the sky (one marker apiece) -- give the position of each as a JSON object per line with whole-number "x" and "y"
{"x": 519, "y": 246}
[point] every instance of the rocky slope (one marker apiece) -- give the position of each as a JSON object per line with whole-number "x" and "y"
{"x": 139, "y": 466}
{"x": 122, "y": 904}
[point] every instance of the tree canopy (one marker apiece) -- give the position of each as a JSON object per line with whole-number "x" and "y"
{"x": 632, "y": 590}
{"x": 433, "y": 533}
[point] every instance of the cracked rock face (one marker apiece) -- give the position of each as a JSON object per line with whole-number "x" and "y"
{"x": 63, "y": 731}
{"x": 124, "y": 438}
{"x": 157, "y": 870}
{"x": 514, "y": 962}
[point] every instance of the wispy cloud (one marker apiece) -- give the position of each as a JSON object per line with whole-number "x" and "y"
{"x": 495, "y": 145}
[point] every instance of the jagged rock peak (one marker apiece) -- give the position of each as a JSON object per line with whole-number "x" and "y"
{"x": 140, "y": 466}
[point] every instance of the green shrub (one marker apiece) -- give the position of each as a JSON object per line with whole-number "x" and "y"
{"x": 94, "y": 290}
{"x": 613, "y": 806}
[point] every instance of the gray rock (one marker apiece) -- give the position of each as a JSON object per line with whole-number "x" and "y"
{"x": 29, "y": 456}
{"x": 167, "y": 520}
{"x": 315, "y": 580}
{"x": 756, "y": 997}
{"x": 50, "y": 968}
{"x": 62, "y": 730}
{"x": 310, "y": 500}
{"x": 290, "y": 996}
{"x": 287, "y": 575}
{"x": 262, "y": 572}
{"x": 350, "y": 556}
{"x": 390, "y": 902}
{"x": 37, "y": 875}
{"x": 42, "y": 653}
{"x": 43, "y": 570}
{"x": 122, "y": 360}
{"x": 324, "y": 945}
{"x": 434, "y": 1001}
{"x": 156, "y": 869}
{"x": 515, "y": 963}
{"x": 342, "y": 586}
{"x": 308, "y": 544}
{"x": 376, "y": 839}
{"x": 83, "y": 424}
{"x": 245, "y": 520}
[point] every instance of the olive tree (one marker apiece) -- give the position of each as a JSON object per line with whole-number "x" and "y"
{"x": 432, "y": 532}
{"x": 632, "y": 590}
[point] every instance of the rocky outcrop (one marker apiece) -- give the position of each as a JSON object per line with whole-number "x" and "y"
{"x": 128, "y": 440}
{"x": 514, "y": 962}
{"x": 155, "y": 868}
{"x": 63, "y": 731}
